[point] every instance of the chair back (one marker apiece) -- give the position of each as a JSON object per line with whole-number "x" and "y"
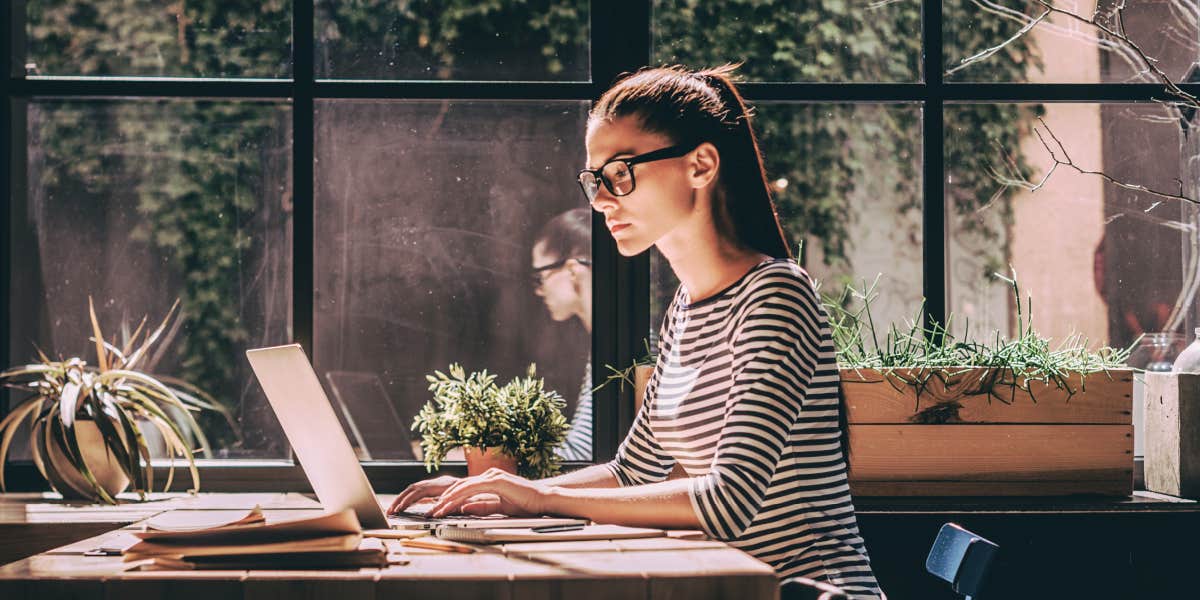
{"x": 961, "y": 558}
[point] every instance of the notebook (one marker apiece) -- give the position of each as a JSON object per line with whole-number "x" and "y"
{"x": 332, "y": 540}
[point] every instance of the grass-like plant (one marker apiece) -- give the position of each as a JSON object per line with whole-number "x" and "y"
{"x": 917, "y": 354}
{"x": 522, "y": 418}
{"x": 118, "y": 398}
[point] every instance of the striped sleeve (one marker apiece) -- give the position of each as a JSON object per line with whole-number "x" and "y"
{"x": 775, "y": 342}
{"x": 640, "y": 460}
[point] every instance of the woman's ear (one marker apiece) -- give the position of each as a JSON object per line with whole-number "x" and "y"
{"x": 703, "y": 165}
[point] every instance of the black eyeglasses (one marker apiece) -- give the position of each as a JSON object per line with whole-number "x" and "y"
{"x": 537, "y": 275}
{"x": 617, "y": 174}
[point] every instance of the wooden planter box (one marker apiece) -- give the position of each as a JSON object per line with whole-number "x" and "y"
{"x": 954, "y": 440}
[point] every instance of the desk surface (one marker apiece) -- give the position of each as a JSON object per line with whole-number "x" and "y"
{"x": 646, "y": 568}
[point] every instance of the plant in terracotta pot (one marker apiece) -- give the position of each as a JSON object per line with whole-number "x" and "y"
{"x": 86, "y": 422}
{"x": 515, "y": 427}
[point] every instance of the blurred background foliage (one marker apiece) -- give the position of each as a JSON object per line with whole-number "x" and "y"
{"x": 198, "y": 171}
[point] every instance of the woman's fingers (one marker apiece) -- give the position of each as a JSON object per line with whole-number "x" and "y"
{"x": 452, "y": 499}
{"x": 488, "y": 506}
{"x": 448, "y": 503}
{"x": 421, "y": 490}
{"x": 455, "y": 489}
{"x": 402, "y": 501}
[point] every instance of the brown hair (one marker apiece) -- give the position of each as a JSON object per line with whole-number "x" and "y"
{"x": 692, "y": 107}
{"x": 567, "y": 235}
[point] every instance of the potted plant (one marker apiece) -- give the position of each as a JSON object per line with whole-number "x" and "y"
{"x": 516, "y": 427}
{"x": 86, "y": 421}
{"x": 934, "y": 414}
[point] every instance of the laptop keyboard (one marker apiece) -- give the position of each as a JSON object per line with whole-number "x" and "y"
{"x": 420, "y": 512}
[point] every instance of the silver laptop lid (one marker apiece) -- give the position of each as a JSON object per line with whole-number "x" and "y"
{"x": 313, "y": 430}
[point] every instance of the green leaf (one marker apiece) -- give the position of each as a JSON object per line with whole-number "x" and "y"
{"x": 8, "y": 428}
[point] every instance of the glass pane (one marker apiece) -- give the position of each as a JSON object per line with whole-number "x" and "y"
{"x": 1065, "y": 48}
{"x": 137, "y": 204}
{"x": 149, "y": 38}
{"x": 793, "y": 40}
{"x": 502, "y": 40}
{"x": 1106, "y": 262}
{"x": 847, "y": 185}
{"x": 428, "y": 218}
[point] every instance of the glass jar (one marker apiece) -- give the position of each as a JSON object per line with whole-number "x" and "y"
{"x": 1157, "y": 351}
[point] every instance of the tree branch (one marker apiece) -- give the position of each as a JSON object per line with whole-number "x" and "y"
{"x": 1066, "y": 161}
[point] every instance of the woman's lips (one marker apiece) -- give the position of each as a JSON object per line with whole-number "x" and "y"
{"x": 617, "y": 227}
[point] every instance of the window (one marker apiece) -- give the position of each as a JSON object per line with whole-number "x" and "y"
{"x": 426, "y": 216}
{"x": 369, "y": 178}
{"x": 431, "y": 40}
{"x": 139, "y": 203}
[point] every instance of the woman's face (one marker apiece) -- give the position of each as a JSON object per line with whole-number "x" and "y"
{"x": 662, "y": 197}
{"x": 558, "y": 288}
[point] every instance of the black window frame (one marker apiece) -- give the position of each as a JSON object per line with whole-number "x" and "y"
{"x": 622, "y": 285}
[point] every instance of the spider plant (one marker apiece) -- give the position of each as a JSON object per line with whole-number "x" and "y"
{"x": 118, "y": 398}
{"x": 928, "y": 352}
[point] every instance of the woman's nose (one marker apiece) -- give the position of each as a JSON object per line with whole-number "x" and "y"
{"x": 604, "y": 202}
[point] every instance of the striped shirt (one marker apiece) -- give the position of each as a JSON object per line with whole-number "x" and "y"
{"x": 745, "y": 398}
{"x": 578, "y": 445}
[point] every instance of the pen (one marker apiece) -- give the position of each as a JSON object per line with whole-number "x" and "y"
{"x": 557, "y": 528}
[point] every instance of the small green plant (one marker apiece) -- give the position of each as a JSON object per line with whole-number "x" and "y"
{"x": 647, "y": 358}
{"x": 119, "y": 399}
{"x": 522, "y": 418}
{"x": 929, "y": 352}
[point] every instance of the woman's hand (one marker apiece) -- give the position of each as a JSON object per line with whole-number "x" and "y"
{"x": 495, "y": 491}
{"x": 420, "y": 490}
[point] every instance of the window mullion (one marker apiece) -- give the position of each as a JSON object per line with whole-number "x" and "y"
{"x": 933, "y": 242}
{"x": 621, "y": 288}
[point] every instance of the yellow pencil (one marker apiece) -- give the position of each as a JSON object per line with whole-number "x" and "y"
{"x": 431, "y": 544}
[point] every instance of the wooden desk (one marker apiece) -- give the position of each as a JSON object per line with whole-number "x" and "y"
{"x": 31, "y": 523}
{"x": 663, "y": 568}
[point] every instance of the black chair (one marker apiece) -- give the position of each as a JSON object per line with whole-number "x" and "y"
{"x": 962, "y": 559}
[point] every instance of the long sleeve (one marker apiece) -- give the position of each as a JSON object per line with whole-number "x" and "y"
{"x": 640, "y": 459}
{"x": 775, "y": 345}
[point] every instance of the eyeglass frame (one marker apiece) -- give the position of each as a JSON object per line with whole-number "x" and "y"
{"x": 536, "y": 272}
{"x": 675, "y": 151}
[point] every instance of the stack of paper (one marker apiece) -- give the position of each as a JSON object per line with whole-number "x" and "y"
{"x": 181, "y": 541}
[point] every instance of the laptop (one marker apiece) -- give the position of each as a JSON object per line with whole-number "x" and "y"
{"x": 325, "y": 454}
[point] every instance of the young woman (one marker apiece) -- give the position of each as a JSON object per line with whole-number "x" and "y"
{"x": 745, "y": 392}
{"x": 562, "y": 277}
